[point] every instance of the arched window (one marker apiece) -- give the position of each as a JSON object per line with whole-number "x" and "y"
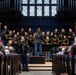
{"x": 39, "y": 7}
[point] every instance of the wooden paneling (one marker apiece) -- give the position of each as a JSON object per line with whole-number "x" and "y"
{"x": 4, "y": 5}
{"x": 7, "y": 5}
{"x": 69, "y": 4}
{"x": 60, "y": 4}
{"x": 72, "y": 5}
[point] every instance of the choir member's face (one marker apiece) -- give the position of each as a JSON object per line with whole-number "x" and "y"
{"x": 63, "y": 30}
{"x": 31, "y": 36}
{"x": 22, "y": 29}
{"x": 64, "y": 37}
{"x": 52, "y": 34}
{"x": 29, "y": 29}
{"x": 14, "y": 31}
{"x": 55, "y": 36}
{"x": 10, "y": 32}
{"x": 10, "y": 42}
{"x": 47, "y": 33}
{"x": 17, "y": 33}
{"x": 38, "y": 29}
{"x": 61, "y": 35}
{"x": 15, "y": 36}
{"x": 22, "y": 38}
{"x": 26, "y": 33}
{"x": 70, "y": 30}
{"x": 43, "y": 33}
{"x": 47, "y": 38}
{"x": 56, "y": 30}
{"x": 5, "y": 27}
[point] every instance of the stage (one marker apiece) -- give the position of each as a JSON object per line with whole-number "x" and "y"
{"x": 41, "y": 67}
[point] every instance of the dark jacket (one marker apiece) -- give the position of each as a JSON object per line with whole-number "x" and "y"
{"x": 23, "y": 48}
{"x": 38, "y": 38}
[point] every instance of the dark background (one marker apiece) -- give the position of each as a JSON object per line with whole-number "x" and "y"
{"x": 12, "y": 17}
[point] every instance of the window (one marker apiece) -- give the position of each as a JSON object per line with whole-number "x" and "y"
{"x": 32, "y": 1}
{"x": 32, "y": 11}
{"x": 24, "y": 10}
{"x": 24, "y": 1}
{"x": 53, "y": 1}
{"x": 53, "y": 10}
{"x": 46, "y": 10}
{"x": 46, "y": 1}
{"x": 39, "y": 1}
{"x": 39, "y": 8}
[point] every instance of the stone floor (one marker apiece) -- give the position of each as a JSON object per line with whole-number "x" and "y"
{"x": 37, "y": 73}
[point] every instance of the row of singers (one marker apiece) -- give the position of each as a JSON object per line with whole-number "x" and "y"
{"x": 53, "y": 38}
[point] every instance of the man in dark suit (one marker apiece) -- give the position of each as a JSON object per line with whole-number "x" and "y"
{"x": 70, "y": 36}
{"x": 4, "y": 35}
{"x": 23, "y": 51}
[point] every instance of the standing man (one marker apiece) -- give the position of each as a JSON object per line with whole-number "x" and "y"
{"x": 5, "y": 35}
{"x": 70, "y": 36}
{"x": 38, "y": 42}
{"x": 23, "y": 51}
